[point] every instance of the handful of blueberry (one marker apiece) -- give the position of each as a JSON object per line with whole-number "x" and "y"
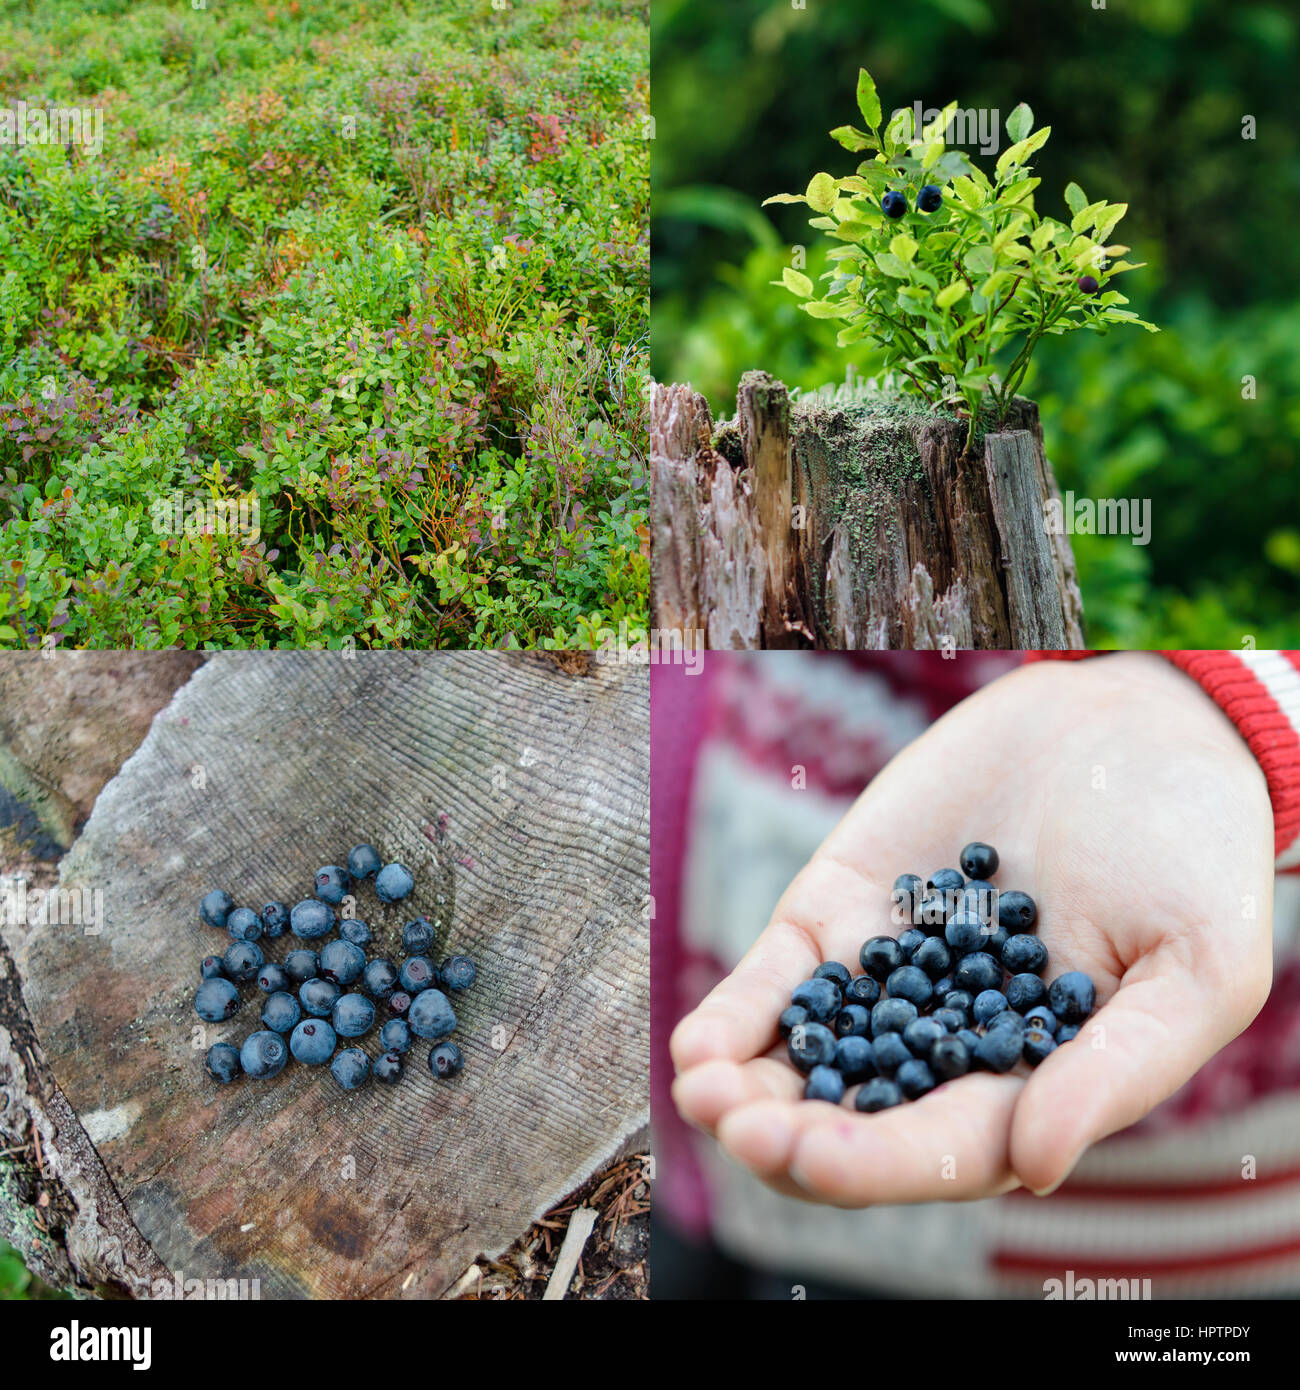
{"x": 959, "y": 990}
{"x": 305, "y": 996}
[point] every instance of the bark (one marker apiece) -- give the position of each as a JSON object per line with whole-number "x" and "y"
{"x": 851, "y": 524}
{"x": 517, "y": 794}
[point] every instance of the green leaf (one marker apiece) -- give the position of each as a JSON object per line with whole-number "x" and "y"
{"x": 821, "y": 193}
{"x": 969, "y": 194}
{"x": 797, "y": 283}
{"x": 1020, "y": 122}
{"x": 819, "y": 309}
{"x": 1075, "y": 198}
{"x": 868, "y": 100}
{"x": 1083, "y": 219}
{"x": 785, "y": 198}
{"x": 950, "y": 294}
{"x": 1021, "y": 150}
{"x": 891, "y": 265}
{"x": 979, "y": 260}
{"x": 1105, "y": 223}
{"x": 903, "y": 247}
{"x": 853, "y": 139}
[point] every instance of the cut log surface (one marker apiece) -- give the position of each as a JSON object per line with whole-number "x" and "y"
{"x": 518, "y": 797}
{"x": 862, "y": 523}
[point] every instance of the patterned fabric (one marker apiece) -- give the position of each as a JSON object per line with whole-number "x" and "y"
{"x": 754, "y": 761}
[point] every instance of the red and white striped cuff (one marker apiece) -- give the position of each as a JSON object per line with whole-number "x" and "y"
{"x": 1260, "y": 692}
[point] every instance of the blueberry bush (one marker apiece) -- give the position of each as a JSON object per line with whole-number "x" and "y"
{"x": 954, "y": 275}
{"x": 339, "y": 339}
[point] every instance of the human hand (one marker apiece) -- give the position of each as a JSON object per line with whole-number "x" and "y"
{"x": 1127, "y": 805}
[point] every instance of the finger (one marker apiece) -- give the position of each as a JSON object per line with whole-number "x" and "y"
{"x": 1134, "y": 1052}
{"x": 704, "y": 1094}
{"x": 951, "y": 1145}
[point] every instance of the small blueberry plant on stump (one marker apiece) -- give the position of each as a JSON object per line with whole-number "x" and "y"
{"x": 952, "y": 275}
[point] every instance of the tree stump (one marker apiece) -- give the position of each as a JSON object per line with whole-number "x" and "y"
{"x": 854, "y": 522}
{"x": 518, "y": 796}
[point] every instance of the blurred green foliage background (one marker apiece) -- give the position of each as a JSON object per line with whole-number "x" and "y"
{"x": 1146, "y": 100}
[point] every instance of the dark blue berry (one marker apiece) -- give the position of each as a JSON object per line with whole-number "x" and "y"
{"x": 1008, "y": 1018}
{"x": 979, "y": 860}
{"x": 353, "y": 1015}
{"x": 399, "y": 1002}
{"x": 350, "y": 1068}
{"x": 930, "y": 199}
{"x": 242, "y": 961}
{"x": 824, "y": 1083}
{"x": 907, "y": 982}
{"x": 978, "y": 899}
{"x": 301, "y": 966}
{"x": 395, "y": 1035}
{"x": 907, "y": 894}
{"x": 1072, "y": 996}
{"x": 1065, "y": 1032}
{"x": 945, "y": 881}
{"x": 914, "y": 1079}
{"x": 272, "y": 977}
{"x": 417, "y": 937}
{"x": 911, "y": 939}
{"x": 878, "y": 1094}
{"x": 364, "y": 861}
{"x": 1024, "y": 991}
{"x": 445, "y": 1060}
{"x": 832, "y": 970}
{"x": 994, "y": 941}
{"x": 853, "y": 1021}
{"x": 862, "y": 989}
{"x": 215, "y": 907}
{"x": 1088, "y": 284}
{"x": 318, "y": 997}
{"x": 880, "y": 957}
{"x": 1037, "y": 1045}
{"x": 790, "y": 1019}
{"x": 821, "y": 998}
{"x": 934, "y": 913}
{"x": 222, "y": 1062}
{"x": 1024, "y": 955}
{"x": 312, "y": 1042}
{"x": 341, "y": 961}
{"x": 952, "y": 1019}
{"x": 933, "y": 956}
{"x": 379, "y": 978}
{"x": 417, "y": 974}
{"x": 244, "y": 924}
{"x": 893, "y": 204}
{"x": 949, "y": 1058}
{"x": 458, "y": 972}
{"x": 1042, "y": 1018}
{"x": 942, "y": 987}
{"x": 969, "y": 1037}
{"x": 891, "y": 1016}
{"x": 921, "y": 1035}
{"x": 354, "y": 931}
{"x": 431, "y": 1015}
{"x": 999, "y": 1049}
{"x": 281, "y": 1011}
{"x": 854, "y": 1059}
{"x": 889, "y": 1052}
{"x": 332, "y": 883}
{"x": 393, "y": 882}
{"x": 988, "y": 1003}
{"x": 811, "y": 1045}
{"x": 1017, "y": 911}
{"x": 263, "y": 1054}
{"x": 212, "y": 968}
{"x": 388, "y": 1068}
{"x": 310, "y": 919}
{"x": 977, "y": 972}
{"x": 964, "y": 932}
{"x": 961, "y": 1000}
{"x": 275, "y": 919}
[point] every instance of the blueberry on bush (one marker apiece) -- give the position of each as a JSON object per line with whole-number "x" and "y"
{"x": 263, "y": 1054}
{"x": 445, "y": 1060}
{"x": 893, "y": 204}
{"x": 930, "y": 199}
{"x": 393, "y": 882}
{"x": 222, "y": 1062}
{"x": 1088, "y": 284}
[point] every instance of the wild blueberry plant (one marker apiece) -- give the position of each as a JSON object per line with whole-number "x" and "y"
{"x": 956, "y": 298}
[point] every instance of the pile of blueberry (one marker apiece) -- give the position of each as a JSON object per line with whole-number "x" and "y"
{"x": 959, "y": 990}
{"x": 304, "y": 996}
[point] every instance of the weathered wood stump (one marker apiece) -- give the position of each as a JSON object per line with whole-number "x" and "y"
{"x": 854, "y": 523}
{"x": 518, "y": 796}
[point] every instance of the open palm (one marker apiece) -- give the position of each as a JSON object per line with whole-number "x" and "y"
{"x": 1127, "y": 805}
